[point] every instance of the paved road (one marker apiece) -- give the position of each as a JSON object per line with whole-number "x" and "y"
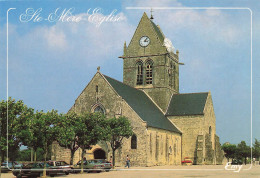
{"x": 168, "y": 171}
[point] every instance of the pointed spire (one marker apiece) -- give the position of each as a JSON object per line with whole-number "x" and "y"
{"x": 125, "y": 47}
{"x": 145, "y": 15}
{"x": 177, "y": 52}
{"x": 151, "y": 14}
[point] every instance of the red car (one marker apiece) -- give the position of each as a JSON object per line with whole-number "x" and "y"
{"x": 187, "y": 161}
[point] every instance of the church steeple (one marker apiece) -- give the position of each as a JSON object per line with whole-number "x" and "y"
{"x": 149, "y": 64}
{"x": 151, "y": 14}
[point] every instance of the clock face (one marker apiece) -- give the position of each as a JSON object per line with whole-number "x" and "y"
{"x": 144, "y": 41}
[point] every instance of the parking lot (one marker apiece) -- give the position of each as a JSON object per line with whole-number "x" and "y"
{"x": 169, "y": 171}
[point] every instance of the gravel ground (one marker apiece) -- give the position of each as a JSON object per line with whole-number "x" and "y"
{"x": 169, "y": 171}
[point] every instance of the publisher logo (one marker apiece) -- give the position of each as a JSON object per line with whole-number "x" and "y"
{"x": 235, "y": 168}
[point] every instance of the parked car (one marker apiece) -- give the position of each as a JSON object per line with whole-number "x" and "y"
{"x": 36, "y": 170}
{"x": 65, "y": 167}
{"x": 8, "y": 166}
{"x": 89, "y": 166}
{"x": 187, "y": 161}
{"x": 107, "y": 165}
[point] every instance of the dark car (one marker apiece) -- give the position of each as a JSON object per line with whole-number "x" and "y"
{"x": 36, "y": 170}
{"x": 236, "y": 162}
{"x": 89, "y": 166}
{"x": 62, "y": 165}
{"x": 107, "y": 165}
{"x": 8, "y": 166}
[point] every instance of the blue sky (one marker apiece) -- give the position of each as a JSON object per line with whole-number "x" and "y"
{"x": 50, "y": 63}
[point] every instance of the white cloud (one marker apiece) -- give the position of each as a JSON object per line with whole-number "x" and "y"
{"x": 55, "y": 38}
{"x": 207, "y": 23}
{"x": 155, "y": 3}
{"x": 212, "y": 24}
{"x": 83, "y": 41}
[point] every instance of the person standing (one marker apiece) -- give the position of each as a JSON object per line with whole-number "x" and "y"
{"x": 127, "y": 162}
{"x": 111, "y": 159}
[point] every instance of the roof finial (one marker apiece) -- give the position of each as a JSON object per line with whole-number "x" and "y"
{"x": 125, "y": 48}
{"x": 151, "y": 14}
{"x": 98, "y": 68}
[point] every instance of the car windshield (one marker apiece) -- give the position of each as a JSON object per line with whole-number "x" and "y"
{"x": 95, "y": 161}
{"x": 101, "y": 161}
{"x": 51, "y": 163}
{"x": 36, "y": 165}
{"x": 63, "y": 163}
{"x": 84, "y": 162}
{"x": 28, "y": 166}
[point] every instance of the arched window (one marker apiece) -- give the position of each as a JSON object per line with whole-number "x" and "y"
{"x": 134, "y": 142}
{"x": 139, "y": 80}
{"x": 170, "y": 150}
{"x": 149, "y": 72}
{"x": 209, "y": 130}
{"x": 99, "y": 109}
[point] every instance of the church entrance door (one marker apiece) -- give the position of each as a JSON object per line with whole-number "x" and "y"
{"x": 99, "y": 154}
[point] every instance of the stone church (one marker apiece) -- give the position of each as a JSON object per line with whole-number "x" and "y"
{"x": 168, "y": 126}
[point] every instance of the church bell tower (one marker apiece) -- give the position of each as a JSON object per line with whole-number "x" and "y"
{"x": 151, "y": 63}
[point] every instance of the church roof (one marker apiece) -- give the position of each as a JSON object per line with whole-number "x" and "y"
{"x": 187, "y": 104}
{"x": 142, "y": 105}
{"x": 158, "y": 31}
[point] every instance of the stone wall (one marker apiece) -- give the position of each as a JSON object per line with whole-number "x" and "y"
{"x": 209, "y": 152}
{"x": 62, "y": 154}
{"x": 218, "y": 151}
{"x": 199, "y": 153}
{"x": 191, "y": 127}
{"x": 163, "y": 147}
{"x": 199, "y": 135}
{"x": 115, "y": 106}
{"x": 210, "y": 120}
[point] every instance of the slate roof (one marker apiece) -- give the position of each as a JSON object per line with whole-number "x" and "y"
{"x": 187, "y": 104}
{"x": 142, "y": 105}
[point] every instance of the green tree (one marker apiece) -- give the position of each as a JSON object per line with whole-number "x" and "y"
{"x": 118, "y": 128}
{"x": 25, "y": 155}
{"x": 89, "y": 131}
{"x": 46, "y": 133}
{"x": 230, "y": 150}
{"x": 32, "y": 137}
{"x": 67, "y": 136}
{"x": 26, "y": 130}
{"x": 256, "y": 149}
{"x": 243, "y": 151}
{"x": 11, "y": 128}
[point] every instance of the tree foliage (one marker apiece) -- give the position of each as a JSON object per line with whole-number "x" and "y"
{"x": 25, "y": 155}
{"x": 256, "y": 149}
{"x": 230, "y": 150}
{"x": 118, "y": 128}
{"x": 17, "y": 112}
{"x": 38, "y": 130}
{"x": 89, "y": 131}
{"x": 243, "y": 151}
{"x": 44, "y": 131}
{"x": 67, "y": 126}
